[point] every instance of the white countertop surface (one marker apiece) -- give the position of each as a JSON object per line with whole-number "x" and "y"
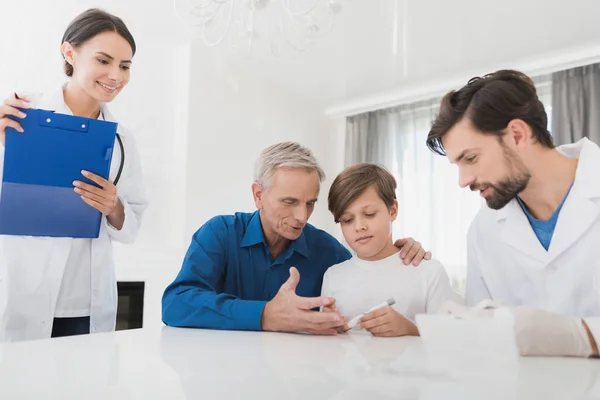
{"x": 173, "y": 363}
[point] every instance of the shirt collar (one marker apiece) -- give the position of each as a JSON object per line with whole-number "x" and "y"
{"x": 254, "y": 235}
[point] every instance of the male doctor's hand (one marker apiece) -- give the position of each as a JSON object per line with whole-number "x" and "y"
{"x": 387, "y": 322}
{"x": 537, "y": 332}
{"x": 103, "y": 198}
{"x": 412, "y": 251}
{"x": 541, "y": 333}
{"x": 288, "y": 312}
{"x": 9, "y": 107}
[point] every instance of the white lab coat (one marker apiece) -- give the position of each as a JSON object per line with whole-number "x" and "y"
{"x": 31, "y": 268}
{"x": 506, "y": 261}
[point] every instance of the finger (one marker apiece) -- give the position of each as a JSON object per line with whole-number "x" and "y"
{"x": 381, "y": 329}
{"x": 400, "y": 243}
{"x": 98, "y": 179}
{"x": 338, "y": 326}
{"x": 308, "y": 303}
{"x": 107, "y": 202}
{"x": 7, "y": 122}
{"x": 21, "y": 102}
{"x": 94, "y": 189}
{"x": 428, "y": 255}
{"x": 418, "y": 257}
{"x": 389, "y": 333}
{"x": 372, "y": 323}
{"x": 6, "y": 109}
{"x": 380, "y": 312}
{"x": 323, "y": 332}
{"x": 96, "y": 205}
{"x": 319, "y": 320}
{"x": 408, "y": 242}
{"x": 412, "y": 253}
{"x": 292, "y": 282}
{"x": 331, "y": 306}
{"x": 14, "y": 96}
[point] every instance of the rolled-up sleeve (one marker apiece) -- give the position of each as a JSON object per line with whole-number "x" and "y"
{"x": 194, "y": 298}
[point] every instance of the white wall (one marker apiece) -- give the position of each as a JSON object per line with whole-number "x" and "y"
{"x": 234, "y": 116}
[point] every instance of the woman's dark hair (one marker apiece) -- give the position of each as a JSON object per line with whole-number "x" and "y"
{"x": 91, "y": 23}
{"x": 491, "y": 102}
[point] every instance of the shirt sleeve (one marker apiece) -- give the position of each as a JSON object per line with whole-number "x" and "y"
{"x": 193, "y": 299}
{"x": 440, "y": 290}
{"x": 325, "y": 289}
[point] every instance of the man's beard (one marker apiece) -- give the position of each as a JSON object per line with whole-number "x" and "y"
{"x": 507, "y": 189}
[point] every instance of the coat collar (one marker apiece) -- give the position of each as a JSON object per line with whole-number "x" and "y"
{"x": 580, "y": 210}
{"x": 586, "y": 182}
{"x": 55, "y": 101}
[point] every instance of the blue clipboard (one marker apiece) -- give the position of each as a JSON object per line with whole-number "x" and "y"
{"x": 40, "y": 165}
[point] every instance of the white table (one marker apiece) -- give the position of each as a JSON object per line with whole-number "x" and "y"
{"x": 199, "y": 364}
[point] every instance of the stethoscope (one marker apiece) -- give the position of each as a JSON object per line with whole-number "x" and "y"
{"x": 122, "y": 154}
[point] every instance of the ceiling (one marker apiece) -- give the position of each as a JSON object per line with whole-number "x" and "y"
{"x": 387, "y": 46}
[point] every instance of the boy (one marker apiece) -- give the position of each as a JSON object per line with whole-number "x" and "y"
{"x": 362, "y": 199}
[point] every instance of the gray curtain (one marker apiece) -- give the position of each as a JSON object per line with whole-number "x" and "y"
{"x": 368, "y": 138}
{"x": 576, "y": 104}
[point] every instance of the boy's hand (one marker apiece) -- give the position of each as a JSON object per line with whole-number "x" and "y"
{"x": 386, "y": 322}
{"x": 333, "y": 308}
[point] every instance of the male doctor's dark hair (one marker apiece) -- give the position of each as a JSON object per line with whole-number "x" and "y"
{"x": 490, "y": 103}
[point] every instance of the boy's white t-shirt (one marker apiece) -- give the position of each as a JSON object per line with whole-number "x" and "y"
{"x": 358, "y": 285}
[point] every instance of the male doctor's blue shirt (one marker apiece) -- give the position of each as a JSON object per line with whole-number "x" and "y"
{"x": 228, "y": 273}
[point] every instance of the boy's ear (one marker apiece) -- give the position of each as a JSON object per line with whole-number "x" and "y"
{"x": 394, "y": 210}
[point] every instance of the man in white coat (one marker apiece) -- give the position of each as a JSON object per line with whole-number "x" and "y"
{"x": 536, "y": 245}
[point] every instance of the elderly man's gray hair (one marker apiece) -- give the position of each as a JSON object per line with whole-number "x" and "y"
{"x": 285, "y": 154}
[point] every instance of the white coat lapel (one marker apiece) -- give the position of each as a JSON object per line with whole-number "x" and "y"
{"x": 516, "y": 231}
{"x": 580, "y": 209}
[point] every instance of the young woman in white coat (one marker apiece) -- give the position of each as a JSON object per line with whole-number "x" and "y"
{"x": 53, "y": 287}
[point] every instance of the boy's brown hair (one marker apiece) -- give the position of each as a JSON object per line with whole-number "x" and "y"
{"x": 353, "y": 181}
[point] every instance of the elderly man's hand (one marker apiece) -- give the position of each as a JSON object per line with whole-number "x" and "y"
{"x": 412, "y": 251}
{"x": 288, "y": 312}
{"x": 332, "y": 308}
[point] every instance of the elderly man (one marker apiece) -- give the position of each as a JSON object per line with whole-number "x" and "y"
{"x": 242, "y": 271}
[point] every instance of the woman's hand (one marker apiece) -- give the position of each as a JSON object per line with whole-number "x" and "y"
{"x": 103, "y": 198}
{"x": 9, "y": 107}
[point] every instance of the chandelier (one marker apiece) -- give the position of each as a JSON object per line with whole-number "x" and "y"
{"x": 282, "y": 25}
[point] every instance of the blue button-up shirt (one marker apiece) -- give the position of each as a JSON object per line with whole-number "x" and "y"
{"x": 228, "y": 273}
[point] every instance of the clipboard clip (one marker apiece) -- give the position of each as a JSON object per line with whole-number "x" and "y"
{"x": 52, "y": 120}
